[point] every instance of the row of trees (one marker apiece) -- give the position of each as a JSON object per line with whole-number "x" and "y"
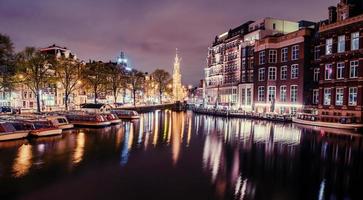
{"x": 38, "y": 70}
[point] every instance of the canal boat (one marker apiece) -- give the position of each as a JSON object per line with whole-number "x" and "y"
{"x": 87, "y": 119}
{"x": 43, "y": 128}
{"x": 9, "y": 132}
{"x": 113, "y": 118}
{"x": 60, "y": 122}
{"x": 126, "y": 114}
{"x": 311, "y": 120}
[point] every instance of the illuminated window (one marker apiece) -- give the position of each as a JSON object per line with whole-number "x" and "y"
{"x": 295, "y": 52}
{"x": 353, "y": 69}
{"x": 341, "y": 44}
{"x": 353, "y": 93}
{"x": 293, "y": 93}
{"x": 340, "y": 70}
{"x": 272, "y": 73}
{"x": 283, "y": 93}
{"x": 328, "y": 72}
{"x": 327, "y": 96}
{"x": 284, "y": 53}
{"x": 339, "y": 93}
{"x": 355, "y": 41}
{"x": 329, "y": 46}
{"x": 283, "y": 72}
{"x": 294, "y": 71}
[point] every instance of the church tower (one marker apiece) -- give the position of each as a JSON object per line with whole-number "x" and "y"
{"x": 178, "y": 92}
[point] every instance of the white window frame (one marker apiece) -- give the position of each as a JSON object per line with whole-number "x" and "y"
{"x": 271, "y": 93}
{"x": 261, "y": 74}
{"x": 354, "y": 41}
{"x": 294, "y": 71}
{"x": 329, "y": 46}
{"x": 327, "y": 73}
{"x": 284, "y": 54}
{"x": 262, "y": 57}
{"x": 283, "y": 93}
{"x": 283, "y": 73}
{"x": 327, "y": 101}
{"x": 315, "y": 96}
{"x": 261, "y": 93}
{"x": 353, "y": 69}
{"x": 340, "y": 70}
{"x": 339, "y": 96}
{"x": 316, "y": 74}
{"x": 293, "y": 90}
{"x": 295, "y": 52}
{"x": 341, "y": 43}
{"x": 272, "y": 71}
{"x": 353, "y": 96}
{"x": 272, "y": 56}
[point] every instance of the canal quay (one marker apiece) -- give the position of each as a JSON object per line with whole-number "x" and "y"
{"x": 182, "y": 155}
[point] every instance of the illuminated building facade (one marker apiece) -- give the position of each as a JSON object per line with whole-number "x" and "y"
{"x": 283, "y": 72}
{"x": 338, "y": 64}
{"x": 229, "y": 73}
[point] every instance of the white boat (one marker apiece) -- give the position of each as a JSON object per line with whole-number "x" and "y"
{"x": 86, "y": 119}
{"x": 8, "y": 132}
{"x": 60, "y": 122}
{"x": 126, "y": 114}
{"x": 327, "y": 124}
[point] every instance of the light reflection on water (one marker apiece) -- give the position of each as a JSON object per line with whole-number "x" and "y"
{"x": 238, "y": 158}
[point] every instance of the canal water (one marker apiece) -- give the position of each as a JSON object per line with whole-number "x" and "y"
{"x": 168, "y": 155}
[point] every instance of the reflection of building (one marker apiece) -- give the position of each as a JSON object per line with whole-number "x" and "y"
{"x": 338, "y": 64}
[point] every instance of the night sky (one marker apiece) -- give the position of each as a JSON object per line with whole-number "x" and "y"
{"x": 147, "y": 30}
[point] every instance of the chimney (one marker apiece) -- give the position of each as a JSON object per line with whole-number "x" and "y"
{"x": 332, "y": 14}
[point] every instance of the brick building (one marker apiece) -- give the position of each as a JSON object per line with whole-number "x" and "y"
{"x": 283, "y": 72}
{"x": 338, "y": 64}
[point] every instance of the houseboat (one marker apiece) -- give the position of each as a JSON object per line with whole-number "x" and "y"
{"x": 126, "y": 114}
{"x": 9, "y": 132}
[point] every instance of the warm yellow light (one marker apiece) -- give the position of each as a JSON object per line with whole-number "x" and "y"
{"x": 21, "y": 76}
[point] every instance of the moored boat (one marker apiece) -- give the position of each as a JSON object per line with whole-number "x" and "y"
{"x": 43, "y": 128}
{"x": 60, "y": 122}
{"x": 9, "y": 132}
{"x": 86, "y": 119}
{"x": 113, "y": 118}
{"x": 327, "y": 124}
{"x": 126, "y": 114}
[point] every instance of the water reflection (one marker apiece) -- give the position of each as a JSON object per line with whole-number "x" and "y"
{"x": 236, "y": 158}
{"x": 22, "y": 162}
{"x": 78, "y": 153}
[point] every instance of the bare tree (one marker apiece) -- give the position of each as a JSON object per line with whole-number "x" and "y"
{"x": 161, "y": 77}
{"x": 95, "y": 76}
{"x": 116, "y": 78}
{"x": 136, "y": 80}
{"x": 68, "y": 71}
{"x": 7, "y": 64}
{"x": 36, "y": 70}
